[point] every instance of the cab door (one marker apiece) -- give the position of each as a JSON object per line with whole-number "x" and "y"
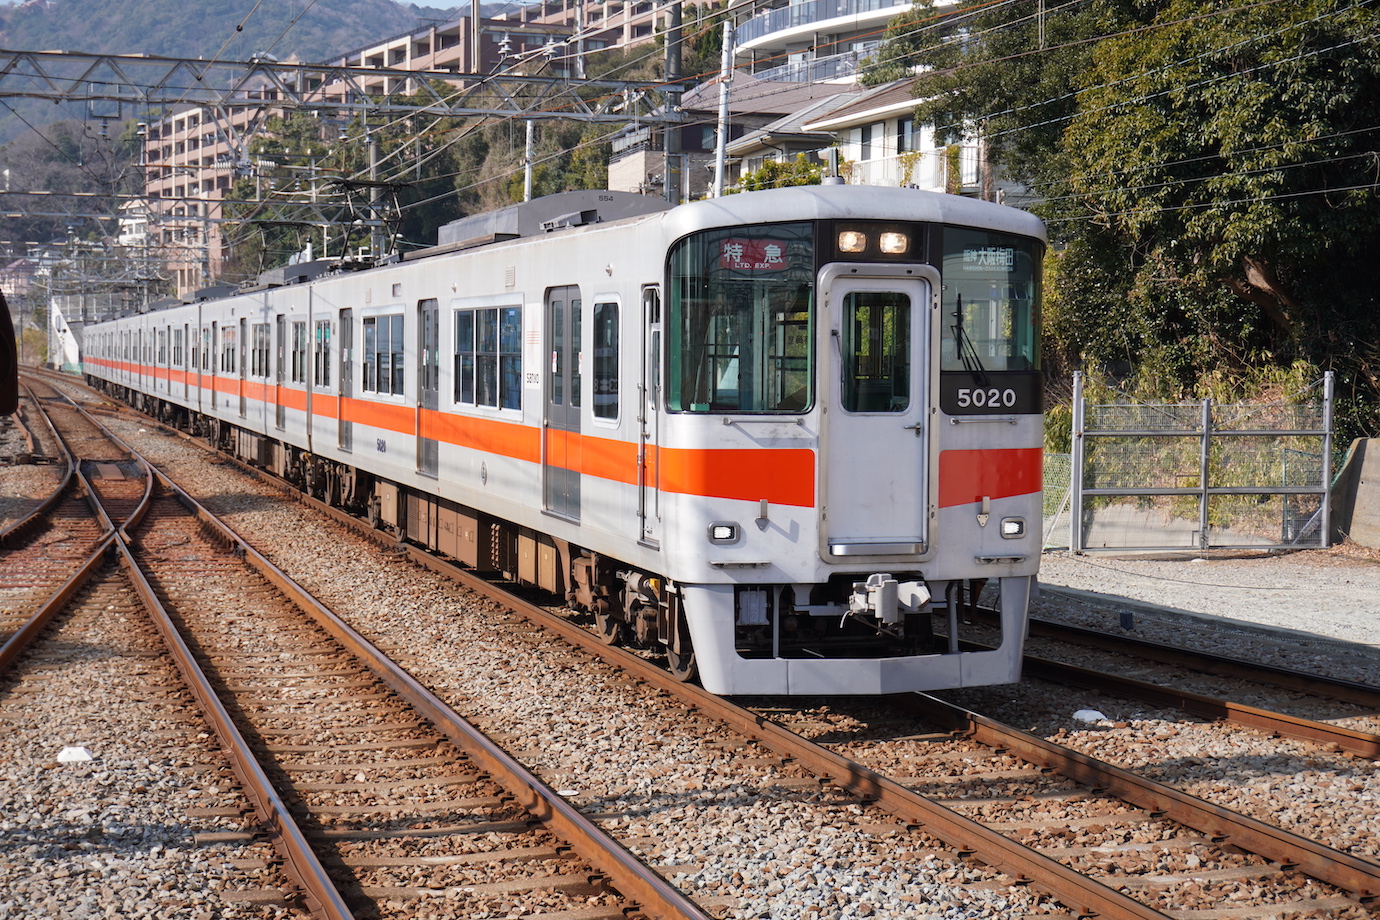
{"x": 876, "y": 468}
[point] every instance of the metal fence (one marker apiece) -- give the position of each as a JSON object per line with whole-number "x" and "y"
{"x": 1198, "y": 476}
{"x": 1058, "y": 494}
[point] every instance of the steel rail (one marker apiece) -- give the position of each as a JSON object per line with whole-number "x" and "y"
{"x": 19, "y": 528}
{"x": 635, "y": 880}
{"x": 15, "y": 645}
{"x": 299, "y": 860}
{"x": 1363, "y": 744}
{"x": 1022, "y": 863}
{"x": 1026, "y": 865}
{"x": 1345, "y": 871}
{"x": 1222, "y": 665}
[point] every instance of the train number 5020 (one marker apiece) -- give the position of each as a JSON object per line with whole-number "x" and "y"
{"x": 986, "y": 398}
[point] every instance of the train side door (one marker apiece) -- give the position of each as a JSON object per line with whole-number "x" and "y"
{"x": 345, "y": 430}
{"x": 279, "y": 369}
{"x": 428, "y": 384}
{"x": 876, "y": 463}
{"x": 561, "y": 451}
{"x": 214, "y": 358}
{"x": 244, "y": 365}
{"x": 649, "y": 419}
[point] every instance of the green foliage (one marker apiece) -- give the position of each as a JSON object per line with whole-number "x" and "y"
{"x": 1059, "y": 429}
{"x": 981, "y": 63}
{"x": 702, "y": 40}
{"x": 778, "y": 174}
{"x": 66, "y": 157}
{"x": 1207, "y": 171}
{"x": 1227, "y": 162}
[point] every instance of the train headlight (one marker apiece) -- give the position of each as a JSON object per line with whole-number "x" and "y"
{"x": 894, "y": 243}
{"x": 723, "y": 533}
{"x": 1012, "y": 528}
{"x": 852, "y": 241}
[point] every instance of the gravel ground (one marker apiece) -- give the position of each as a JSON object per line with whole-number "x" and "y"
{"x": 732, "y": 833}
{"x": 1331, "y": 593}
{"x": 113, "y": 836}
{"x": 779, "y": 855}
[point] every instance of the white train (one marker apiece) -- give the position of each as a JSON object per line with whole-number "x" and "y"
{"x": 784, "y": 436}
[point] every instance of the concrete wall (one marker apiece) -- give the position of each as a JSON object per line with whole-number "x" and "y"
{"x": 1356, "y": 495}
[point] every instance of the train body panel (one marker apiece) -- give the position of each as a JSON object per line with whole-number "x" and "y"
{"x": 780, "y": 436}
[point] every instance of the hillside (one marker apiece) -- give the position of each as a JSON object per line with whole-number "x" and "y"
{"x": 204, "y": 29}
{"x": 207, "y": 28}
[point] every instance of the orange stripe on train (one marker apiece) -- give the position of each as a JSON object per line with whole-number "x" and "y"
{"x": 967, "y": 476}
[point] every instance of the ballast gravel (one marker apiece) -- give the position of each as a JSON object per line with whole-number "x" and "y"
{"x": 114, "y": 797}
{"x": 701, "y": 812}
{"x": 748, "y": 841}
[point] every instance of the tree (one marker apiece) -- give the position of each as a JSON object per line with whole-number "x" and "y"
{"x": 64, "y": 157}
{"x": 1000, "y": 70}
{"x": 1207, "y": 174}
{"x": 779, "y": 174}
{"x": 1224, "y": 161}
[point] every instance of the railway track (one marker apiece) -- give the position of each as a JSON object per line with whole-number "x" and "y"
{"x": 1198, "y": 862}
{"x": 52, "y": 548}
{"x": 1333, "y": 712}
{"x": 157, "y": 802}
{"x": 374, "y": 793}
{"x": 1196, "y": 857}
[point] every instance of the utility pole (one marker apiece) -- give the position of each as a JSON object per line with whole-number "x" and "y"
{"x": 375, "y": 195}
{"x": 725, "y": 75}
{"x": 527, "y": 164}
{"x": 671, "y": 131}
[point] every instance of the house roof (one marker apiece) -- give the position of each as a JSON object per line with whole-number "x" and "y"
{"x": 885, "y": 101}
{"x": 789, "y": 127}
{"x": 748, "y": 95}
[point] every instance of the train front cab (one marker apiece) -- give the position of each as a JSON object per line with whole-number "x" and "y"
{"x": 905, "y": 356}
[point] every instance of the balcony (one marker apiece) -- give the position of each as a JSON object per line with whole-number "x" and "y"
{"x": 834, "y": 68}
{"x": 800, "y": 21}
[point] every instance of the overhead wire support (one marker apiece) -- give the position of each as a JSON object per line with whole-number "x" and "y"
{"x": 149, "y": 81}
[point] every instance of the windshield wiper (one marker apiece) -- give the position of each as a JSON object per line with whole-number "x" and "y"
{"x": 967, "y": 351}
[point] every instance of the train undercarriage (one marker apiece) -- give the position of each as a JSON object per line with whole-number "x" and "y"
{"x": 625, "y": 606}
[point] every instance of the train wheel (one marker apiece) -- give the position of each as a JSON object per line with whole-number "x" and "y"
{"x": 682, "y": 665}
{"x": 607, "y": 626}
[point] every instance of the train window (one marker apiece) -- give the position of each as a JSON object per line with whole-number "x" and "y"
{"x": 258, "y": 356}
{"x": 876, "y": 352}
{"x": 321, "y": 355}
{"x": 383, "y": 355}
{"x": 488, "y": 357}
{"x": 162, "y": 348}
{"x": 227, "y": 349}
{"x": 991, "y": 306}
{"x": 606, "y": 360}
{"x": 299, "y": 352}
{"x": 741, "y": 320}
{"x": 177, "y": 347}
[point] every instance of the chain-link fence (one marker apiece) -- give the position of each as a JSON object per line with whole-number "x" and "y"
{"x": 1058, "y": 492}
{"x": 1199, "y": 475}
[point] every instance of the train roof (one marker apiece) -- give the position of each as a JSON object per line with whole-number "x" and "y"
{"x": 547, "y": 214}
{"x": 861, "y": 202}
{"x": 584, "y": 208}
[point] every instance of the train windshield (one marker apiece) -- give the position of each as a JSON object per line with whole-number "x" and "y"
{"x": 991, "y": 306}
{"x": 742, "y": 320}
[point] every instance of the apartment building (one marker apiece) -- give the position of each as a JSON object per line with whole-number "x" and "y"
{"x": 192, "y": 159}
